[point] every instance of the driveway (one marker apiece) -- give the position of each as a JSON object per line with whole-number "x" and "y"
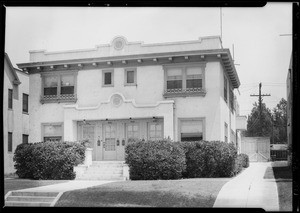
{"x": 250, "y": 190}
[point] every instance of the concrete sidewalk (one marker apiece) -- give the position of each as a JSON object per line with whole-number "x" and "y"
{"x": 250, "y": 190}
{"x": 68, "y": 186}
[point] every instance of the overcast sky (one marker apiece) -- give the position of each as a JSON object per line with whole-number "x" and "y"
{"x": 262, "y": 54}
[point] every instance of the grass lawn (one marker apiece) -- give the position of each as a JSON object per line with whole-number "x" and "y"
{"x": 283, "y": 176}
{"x": 198, "y": 192}
{"x": 15, "y": 184}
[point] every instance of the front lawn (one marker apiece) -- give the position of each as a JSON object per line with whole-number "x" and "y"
{"x": 283, "y": 176}
{"x": 16, "y": 184}
{"x": 198, "y": 192}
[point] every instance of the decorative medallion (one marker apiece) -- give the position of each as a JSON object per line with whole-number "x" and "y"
{"x": 119, "y": 43}
{"x": 116, "y": 100}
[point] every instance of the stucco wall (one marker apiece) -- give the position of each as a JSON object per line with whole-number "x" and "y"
{"x": 13, "y": 120}
{"x": 207, "y": 107}
{"x": 130, "y": 48}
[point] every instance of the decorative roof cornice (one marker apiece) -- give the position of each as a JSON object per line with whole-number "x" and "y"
{"x": 138, "y": 60}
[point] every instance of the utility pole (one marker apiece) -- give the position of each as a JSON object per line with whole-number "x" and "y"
{"x": 260, "y": 107}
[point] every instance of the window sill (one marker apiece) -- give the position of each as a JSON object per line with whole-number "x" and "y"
{"x": 133, "y": 84}
{"x": 184, "y": 93}
{"x": 25, "y": 113}
{"x": 108, "y": 85}
{"x": 10, "y": 109}
{"x": 58, "y": 99}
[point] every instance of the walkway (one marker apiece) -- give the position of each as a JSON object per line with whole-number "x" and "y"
{"x": 68, "y": 186}
{"x": 250, "y": 190}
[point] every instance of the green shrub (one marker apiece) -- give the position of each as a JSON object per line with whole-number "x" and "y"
{"x": 209, "y": 159}
{"x": 238, "y": 164}
{"x": 245, "y": 160}
{"x": 153, "y": 160}
{"x": 48, "y": 160}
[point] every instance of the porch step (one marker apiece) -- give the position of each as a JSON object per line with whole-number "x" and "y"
{"x": 103, "y": 170}
{"x": 22, "y": 198}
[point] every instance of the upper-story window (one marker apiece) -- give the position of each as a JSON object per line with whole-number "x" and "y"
{"x": 174, "y": 79}
{"x": 231, "y": 99}
{"x": 10, "y": 98}
{"x": 130, "y": 76}
{"x": 25, "y": 103}
{"x": 193, "y": 77}
{"x": 225, "y": 89}
{"x": 184, "y": 80}
{"x": 108, "y": 78}
{"x": 59, "y": 87}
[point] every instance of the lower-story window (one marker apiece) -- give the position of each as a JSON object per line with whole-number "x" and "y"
{"x": 52, "y": 132}
{"x": 25, "y": 138}
{"x": 191, "y": 129}
{"x": 10, "y": 142}
{"x": 155, "y": 131}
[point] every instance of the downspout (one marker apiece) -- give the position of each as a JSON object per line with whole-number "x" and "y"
{"x": 174, "y": 121}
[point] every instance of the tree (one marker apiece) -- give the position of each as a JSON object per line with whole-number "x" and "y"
{"x": 253, "y": 124}
{"x": 280, "y": 122}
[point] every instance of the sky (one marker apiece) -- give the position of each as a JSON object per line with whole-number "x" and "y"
{"x": 253, "y": 35}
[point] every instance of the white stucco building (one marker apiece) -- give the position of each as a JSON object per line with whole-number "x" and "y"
{"x": 121, "y": 91}
{"x": 15, "y": 112}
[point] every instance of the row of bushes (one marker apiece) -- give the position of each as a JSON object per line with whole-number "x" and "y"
{"x": 173, "y": 160}
{"x": 48, "y": 160}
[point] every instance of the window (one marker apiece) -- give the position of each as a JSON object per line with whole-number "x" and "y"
{"x": 130, "y": 76}
{"x": 193, "y": 77}
{"x": 25, "y": 103}
{"x": 10, "y": 141}
{"x": 226, "y": 132}
{"x": 52, "y": 132}
{"x": 67, "y": 84}
{"x": 10, "y": 98}
{"x": 25, "y": 139}
{"x": 191, "y": 129}
{"x": 155, "y": 131}
{"x": 132, "y": 132}
{"x": 174, "y": 79}
{"x": 225, "y": 89}
{"x": 231, "y": 99}
{"x": 59, "y": 87}
{"x": 183, "y": 80}
{"x": 108, "y": 78}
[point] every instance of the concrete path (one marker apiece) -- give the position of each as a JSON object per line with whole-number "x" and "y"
{"x": 250, "y": 190}
{"x": 67, "y": 186}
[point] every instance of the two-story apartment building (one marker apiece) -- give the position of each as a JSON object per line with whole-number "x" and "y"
{"x": 122, "y": 91}
{"x": 15, "y": 112}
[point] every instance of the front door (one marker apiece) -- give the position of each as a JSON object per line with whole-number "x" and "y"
{"x": 109, "y": 141}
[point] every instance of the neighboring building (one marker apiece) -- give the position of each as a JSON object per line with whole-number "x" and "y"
{"x": 122, "y": 91}
{"x": 15, "y": 112}
{"x": 289, "y": 83}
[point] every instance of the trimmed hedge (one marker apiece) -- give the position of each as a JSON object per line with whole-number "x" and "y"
{"x": 155, "y": 160}
{"x": 245, "y": 160}
{"x": 209, "y": 159}
{"x": 48, "y": 160}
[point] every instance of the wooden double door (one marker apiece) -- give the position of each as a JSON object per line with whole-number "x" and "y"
{"x": 108, "y": 139}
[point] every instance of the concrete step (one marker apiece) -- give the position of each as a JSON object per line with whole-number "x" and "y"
{"x": 30, "y": 199}
{"x": 42, "y": 194}
{"x": 21, "y": 203}
{"x": 103, "y": 172}
{"x": 100, "y": 178}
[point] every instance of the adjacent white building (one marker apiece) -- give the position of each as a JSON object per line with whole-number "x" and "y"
{"x": 15, "y": 112}
{"x": 122, "y": 91}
